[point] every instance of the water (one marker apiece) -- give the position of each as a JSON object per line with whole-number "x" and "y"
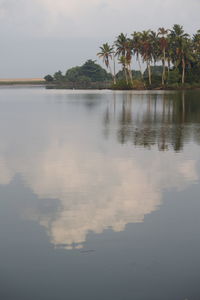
{"x": 99, "y": 195}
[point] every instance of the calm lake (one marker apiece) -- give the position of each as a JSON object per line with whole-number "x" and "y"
{"x": 99, "y": 195}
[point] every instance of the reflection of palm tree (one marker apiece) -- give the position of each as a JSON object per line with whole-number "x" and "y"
{"x": 161, "y": 124}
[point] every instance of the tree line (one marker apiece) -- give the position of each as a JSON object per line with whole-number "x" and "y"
{"x": 84, "y": 76}
{"x": 176, "y": 50}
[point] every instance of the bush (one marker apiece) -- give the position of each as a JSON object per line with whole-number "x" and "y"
{"x": 48, "y": 78}
{"x": 138, "y": 84}
{"x": 122, "y": 85}
{"x": 174, "y": 77}
{"x": 91, "y": 70}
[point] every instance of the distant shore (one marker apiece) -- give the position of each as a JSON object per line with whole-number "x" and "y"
{"x": 109, "y": 86}
{"x": 13, "y": 81}
{"x": 92, "y": 86}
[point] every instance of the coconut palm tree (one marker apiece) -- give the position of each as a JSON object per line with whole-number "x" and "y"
{"x": 196, "y": 46}
{"x": 172, "y": 47}
{"x": 155, "y": 51}
{"x": 136, "y": 38}
{"x": 106, "y": 54}
{"x": 146, "y": 51}
{"x": 124, "y": 51}
{"x": 180, "y": 43}
{"x": 122, "y": 61}
{"x": 163, "y": 43}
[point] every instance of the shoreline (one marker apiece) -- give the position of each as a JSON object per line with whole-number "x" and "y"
{"x": 57, "y": 86}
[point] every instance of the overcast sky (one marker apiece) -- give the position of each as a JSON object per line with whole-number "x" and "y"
{"x": 42, "y": 36}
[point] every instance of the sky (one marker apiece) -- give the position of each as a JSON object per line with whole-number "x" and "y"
{"x": 40, "y": 37}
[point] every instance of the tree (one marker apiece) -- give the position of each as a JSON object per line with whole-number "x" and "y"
{"x": 58, "y": 76}
{"x": 73, "y": 74}
{"x": 94, "y": 71}
{"x": 147, "y": 51}
{"x": 136, "y": 37}
{"x": 48, "y": 78}
{"x": 163, "y": 43}
{"x": 180, "y": 45}
{"x": 124, "y": 51}
{"x": 106, "y": 54}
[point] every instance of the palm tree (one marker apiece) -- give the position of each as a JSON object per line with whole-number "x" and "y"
{"x": 129, "y": 53}
{"x": 196, "y": 46}
{"x": 106, "y": 54}
{"x": 172, "y": 47}
{"x": 124, "y": 51}
{"x": 137, "y": 48}
{"x": 163, "y": 41}
{"x": 146, "y": 51}
{"x": 122, "y": 61}
{"x": 155, "y": 51}
{"x": 180, "y": 44}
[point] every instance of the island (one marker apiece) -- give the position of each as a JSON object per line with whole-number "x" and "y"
{"x": 162, "y": 59}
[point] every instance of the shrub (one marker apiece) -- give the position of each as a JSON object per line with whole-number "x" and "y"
{"x": 48, "y": 78}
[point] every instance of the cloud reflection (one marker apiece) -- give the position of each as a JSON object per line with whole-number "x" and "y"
{"x": 99, "y": 184}
{"x": 98, "y": 191}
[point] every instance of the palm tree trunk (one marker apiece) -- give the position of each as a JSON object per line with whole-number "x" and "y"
{"x": 163, "y": 74}
{"x": 125, "y": 73}
{"x": 149, "y": 72}
{"x": 130, "y": 74}
{"x": 109, "y": 66}
{"x": 168, "y": 68}
{"x": 138, "y": 59}
{"x": 142, "y": 77}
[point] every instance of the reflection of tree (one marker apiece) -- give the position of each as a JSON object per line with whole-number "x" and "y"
{"x": 166, "y": 120}
{"x": 125, "y": 119}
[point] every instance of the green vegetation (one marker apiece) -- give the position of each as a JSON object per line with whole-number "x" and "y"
{"x": 89, "y": 75}
{"x": 171, "y": 58}
{"x": 176, "y": 51}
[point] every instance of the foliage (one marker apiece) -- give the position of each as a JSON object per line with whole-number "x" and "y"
{"x": 48, "y": 78}
{"x": 155, "y": 71}
{"x": 122, "y": 85}
{"x": 73, "y": 74}
{"x": 174, "y": 77}
{"x": 94, "y": 71}
{"x": 135, "y": 75}
{"x": 58, "y": 76}
{"x": 171, "y": 57}
{"x": 177, "y": 53}
{"x": 82, "y": 76}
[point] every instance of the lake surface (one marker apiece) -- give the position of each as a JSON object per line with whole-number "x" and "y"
{"x": 99, "y": 195}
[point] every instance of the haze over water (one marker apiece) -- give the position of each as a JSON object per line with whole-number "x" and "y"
{"x": 99, "y": 195}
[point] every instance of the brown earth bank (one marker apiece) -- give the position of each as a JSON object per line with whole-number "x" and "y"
{"x": 10, "y": 81}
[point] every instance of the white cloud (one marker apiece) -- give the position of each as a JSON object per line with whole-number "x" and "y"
{"x": 97, "y": 192}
